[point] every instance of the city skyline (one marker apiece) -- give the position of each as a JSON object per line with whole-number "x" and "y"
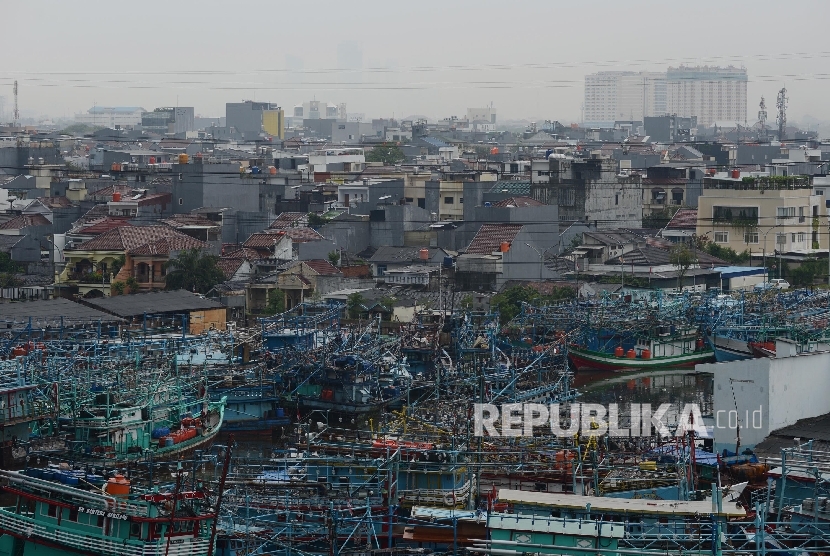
{"x": 382, "y": 61}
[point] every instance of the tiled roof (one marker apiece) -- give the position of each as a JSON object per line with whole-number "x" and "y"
{"x": 241, "y": 253}
{"x": 104, "y": 225}
{"x": 665, "y": 181}
{"x": 166, "y": 245}
{"x": 229, "y": 266}
{"x": 513, "y": 187}
{"x": 387, "y": 254}
{"x": 289, "y": 220}
{"x": 683, "y": 219}
{"x": 301, "y": 235}
{"x": 126, "y": 238}
{"x": 263, "y": 240}
{"x": 24, "y": 221}
{"x": 106, "y": 192}
{"x": 650, "y": 255}
{"x": 519, "y": 202}
{"x": 489, "y": 237}
{"x": 321, "y": 267}
{"x": 183, "y": 220}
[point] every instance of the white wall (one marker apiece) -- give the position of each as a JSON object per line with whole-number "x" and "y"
{"x": 784, "y": 390}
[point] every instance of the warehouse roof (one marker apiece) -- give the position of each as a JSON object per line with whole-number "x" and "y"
{"x": 178, "y": 301}
{"x": 49, "y": 313}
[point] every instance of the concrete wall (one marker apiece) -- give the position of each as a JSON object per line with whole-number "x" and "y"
{"x": 779, "y": 392}
{"x": 352, "y": 236}
{"x": 398, "y": 219}
{"x": 315, "y": 250}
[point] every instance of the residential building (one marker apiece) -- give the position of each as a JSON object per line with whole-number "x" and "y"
{"x": 388, "y": 258}
{"x": 592, "y": 191}
{"x": 336, "y": 160}
{"x": 682, "y": 227}
{"x": 141, "y": 205}
{"x": 668, "y": 186}
{"x": 623, "y": 95}
{"x": 739, "y": 211}
{"x": 669, "y": 128}
{"x": 486, "y": 114}
{"x": 711, "y": 94}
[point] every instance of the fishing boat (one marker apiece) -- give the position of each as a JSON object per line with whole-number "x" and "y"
{"x": 665, "y": 350}
{"x": 115, "y": 430}
{"x": 58, "y": 513}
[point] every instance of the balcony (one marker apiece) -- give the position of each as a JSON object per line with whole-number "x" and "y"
{"x": 89, "y": 277}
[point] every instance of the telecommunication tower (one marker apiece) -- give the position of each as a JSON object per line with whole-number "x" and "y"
{"x": 762, "y": 118}
{"x": 781, "y": 104}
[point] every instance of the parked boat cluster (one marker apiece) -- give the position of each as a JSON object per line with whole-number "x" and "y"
{"x": 308, "y": 436}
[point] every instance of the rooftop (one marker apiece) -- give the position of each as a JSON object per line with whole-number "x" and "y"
{"x": 126, "y": 238}
{"x": 24, "y": 221}
{"x": 683, "y": 219}
{"x": 178, "y": 301}
{"x": 289, "y": 220}
{"x": 649, "y": 255}
{"x": 490, "y": 236}
{"x": 521, "y": 188}
{"x": 519, "y": 202}
{"x": 52, "y": 312}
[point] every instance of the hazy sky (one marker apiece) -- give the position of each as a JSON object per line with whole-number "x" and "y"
{"x": 425, "y": 57}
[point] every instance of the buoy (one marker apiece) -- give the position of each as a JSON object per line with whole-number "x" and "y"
{"x": 619, "y": 352}
{"x": 631, "y": 354}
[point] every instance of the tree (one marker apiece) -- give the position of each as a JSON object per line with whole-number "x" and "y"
{"x": 132, "y": 284}
{"x": 466, "y": 303}
{"x": 195, "y": 271}
{"x": 386, "y": 153}
{"x": 118, "y": 264}
{"x": 118, "y": 287}
{"x": 354, "y": 305}
{"x": 509, "y": 302}
{"x": 276, "y": 302}
{"x": 334, "y": 258}
{"x": 681, "y": 257}
{"x": 8, "y": 280}
{"x": 7, "y": 264}
{"x": 315, "y": 220}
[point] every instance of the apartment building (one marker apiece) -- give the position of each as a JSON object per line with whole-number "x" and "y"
{"x": 762, "y": 213}
{"x": 711, "y": 94}
{"x": 623, "y": 95}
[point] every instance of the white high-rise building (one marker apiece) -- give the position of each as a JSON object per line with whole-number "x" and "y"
{"x": 713, "y": 94}
{"x": 612, "y": 96}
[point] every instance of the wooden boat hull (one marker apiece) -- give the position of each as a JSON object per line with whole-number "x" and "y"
{"x": 585, "y": 360}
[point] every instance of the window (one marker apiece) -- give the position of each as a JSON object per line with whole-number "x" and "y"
{"x": 408, "y": 199}
{"x": 721, "y": 237}
{"x": 73, "y": 514}
{"x": 616, "y": 199}
{"x": 780, "y": 239}
{"x": 381, "y": 269}
{"x": 53, "y": 511}
{"x": 801, "y": 214}
{"x": 461, "y": 201}
{"x": 181, "y": 201}
{"x": 751, "y": 237}
{"x": 448, "y": 200}
{"x": 793, "y": 238}
{"x": 748, "y": 215}
{"x": 802, "y": 237}
{"x": 786, "y": 212}
{"x": 819, "y": 192}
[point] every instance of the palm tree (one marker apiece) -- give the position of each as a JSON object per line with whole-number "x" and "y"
{"x": 193, "y": 270}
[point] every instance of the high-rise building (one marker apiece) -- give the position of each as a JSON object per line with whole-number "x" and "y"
{"x": 253, "y": 118}
{"x": 611, "y": 96}
{"x": 179, "y": 119}
{"x": 710, "y": 93}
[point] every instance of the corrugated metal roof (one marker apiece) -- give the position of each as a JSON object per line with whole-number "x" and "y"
{"x": 519, "y": 202}
{"x": 50, "y": 312}
{"x": 178, "y": 301}
{"x": 521, "y": 188}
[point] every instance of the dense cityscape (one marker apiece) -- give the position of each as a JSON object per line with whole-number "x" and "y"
{"x": 296, "y": 326}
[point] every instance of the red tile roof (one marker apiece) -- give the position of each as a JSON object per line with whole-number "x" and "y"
{"x": 125, "y": 238}
{"x": 518, "y": 202}
{"x": 489, "y": 237}
{"x": 683, "y": 219}
{"x": 55, "y": 202}
{"x": 104, "y": 225}
{"x": 289, "y": 220}
{"x": 229, "y": 266}
{"x": 24, "y": 221}
{"x": 266, "y": 238}
{"x": 241, "y": 253}
{"x": 182, "y": 220}
{"x": 321, "y": 267}
{"x": 301, "y": 235}
{"x": 166, "y": 245}
{"x": 263, "y": 240}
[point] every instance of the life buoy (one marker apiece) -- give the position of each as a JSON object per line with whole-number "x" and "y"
{"x": 449, "y": 499}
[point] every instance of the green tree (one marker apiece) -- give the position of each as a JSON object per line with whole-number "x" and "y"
{"x": 509, "y": 302}
{"x": 7, "y": 264}
{"x": 334, "y": 258}
{"x": 386, "y": 153}
{"x": 682, "y": 257}
{"x": 315, "y": 220}
{"x": 118, "y": 264}
{"x": 195, "y": 271}
{"x": 466, "y": 303}
{"x": 276, "y": 302}
{"x": 132, "y": 284}
{"x": 8, "y": 280}
{"x": 118, "y": 287}
{"x": 354, "y": 305}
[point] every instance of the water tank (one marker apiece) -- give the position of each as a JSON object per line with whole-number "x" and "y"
{"x": 152, "y": 160}
{"x": 447, "y": 262}
{"x": 182, "y": 158}
{"x": 618, "y": 351}
{"x": 272, "y": 170}
{"x": 504, "y": 247}
{"x": 736, "y": 174}
{"x": 548, "y": 152}
{"x": 423, "y": 254}
{"x": 116, "y": 196}
{"x": 488, "y": 204}
{"x": 494, "y": 151}
{"x": 256, "y": 170}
